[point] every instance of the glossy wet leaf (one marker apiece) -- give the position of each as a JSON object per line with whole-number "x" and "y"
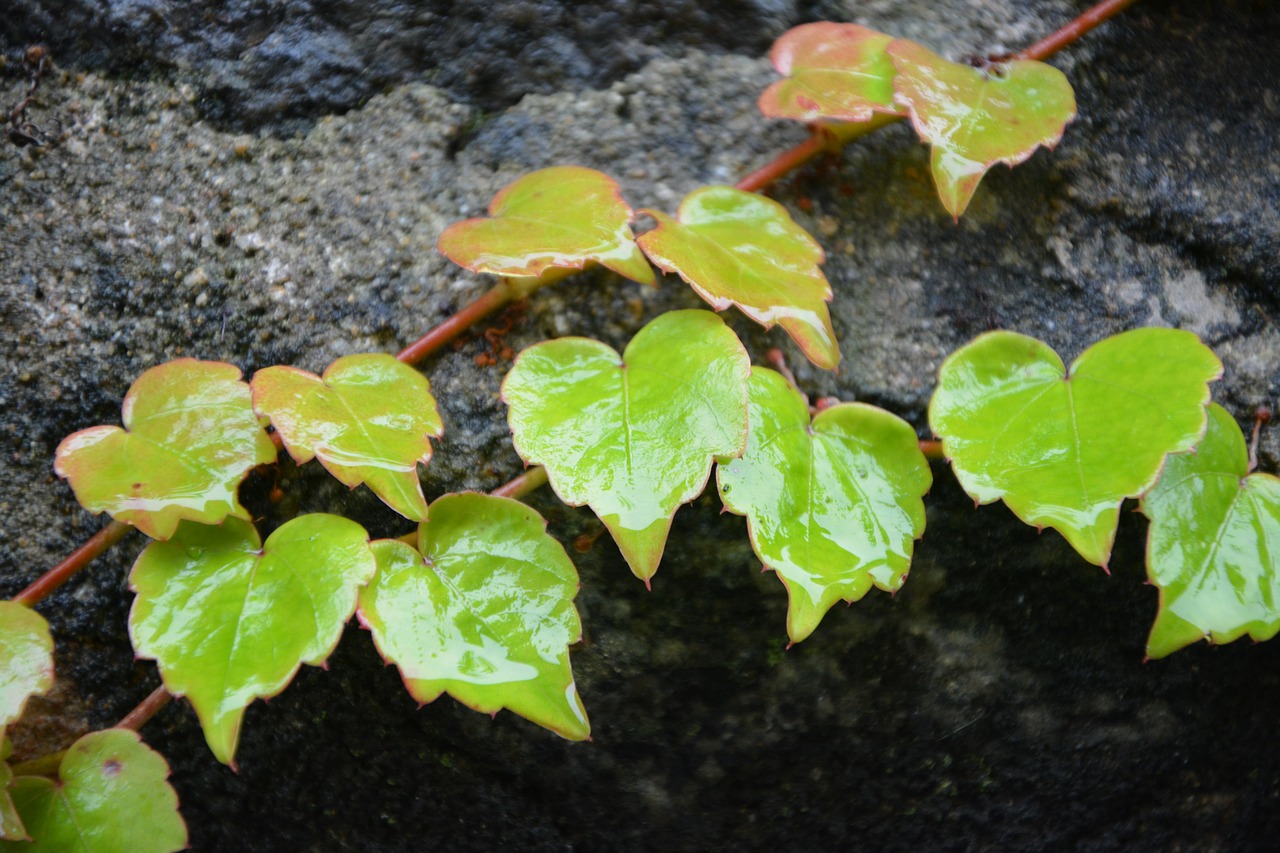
{"x": 634, "y": 435}
{"x": 229, "y": 620}
{"x": 562, "y": 217}
{"x": 833, "y": 505}
{"x": 112, "y": 796}
{"x": 11, "y": 828}
{"x": 370, "y": 419}
{"x": 190, "y": 436}
{"x": 1064, "y": 452}
{"x": 1213, "y": 549}
{"x": 974, "y": 119}
{"x": 833, "y": 71}
{"x": 484, "y": 612}
{"x": 740, "y": 248}
{"x": 26, "y": 659}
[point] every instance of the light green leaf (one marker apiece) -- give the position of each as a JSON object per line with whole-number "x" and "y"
{"x": 1064, "y": 449}
{"x": 633, "y": 436}
{"x": 565, "y": 217}
{"x": 189, "y": 438}
{"x": 740, "y": 248}
{"x": 11, "y": 828}
{"x": 833, "y": 506}
{"x": 369, "y": 420}
{"x": 229, "y": 620}
{"x": 1213, "y": 549}
{"x": 26, "y": 659}
{"x": 484, "y": 612}
{"x": 976, "y": 118}
{"x": 111, "y": 797}
{"x": 834, "y": 71}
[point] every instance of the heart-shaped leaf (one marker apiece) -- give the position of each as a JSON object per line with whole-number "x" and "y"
{"x": 834, "y": 71}
{"x": 976, "y": 118}
{"x": 229, "y": 620}
{"x": 11, "y": 828}
{"x": 633, "y": 436}
{"x": 112, "y": 796}
{"x": 190, "y": 436}
{"x": 1064, "y": 449}
{"x": 740, "y": 248}
{"x": 1211, "y": 550}
{"x": 26, "y": 659}
{"x": 370, "y": 419}
{"x": 564, "y": 217}
{"x": 484, "y": 612}
{"x": 833, "y": 506}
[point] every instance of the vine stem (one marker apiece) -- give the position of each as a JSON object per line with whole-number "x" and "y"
{"x": 1260, "y": 419}
{"x": 1089, "y": 20}
{"x": 473, "y": 312}
{"x": 530, "y": 481}
{"x": 74, "y": 562}
{"x": 147, "y": 708}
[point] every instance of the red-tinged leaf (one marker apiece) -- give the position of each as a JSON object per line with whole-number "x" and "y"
{"x": 370, "y": 419}
{"x": 834, "y": 71}
{"x": 565, "y": 217}
{"x": 976, "y": 118}
{"x": 190, "y": 436}
{"x": 26, "y": 659}
{"x": 740, "y": 248}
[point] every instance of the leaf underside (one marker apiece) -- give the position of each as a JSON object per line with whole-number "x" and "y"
{"x": 633, "y": 436}
{"x": 190, "y": 436}
{"x": 974, "y": 119}
{"x": 564, "y": 217}
{"x": 739, "y": 248}
{"x": 484, "y": 612}
{"x": 112, "y": 797}
{"x": 833, "y": 506}
{"x": 370, "y": 419}
{"x": 833, "y": 71}
{"x": 229, "y": 620}
{"x": 26, "y": 659}
{"x": 1064, "y": 452}
{"x": 1213, "y": 544}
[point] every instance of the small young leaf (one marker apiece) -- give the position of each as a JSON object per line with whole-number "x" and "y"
{"x": 1064, "y": 449}
{"x": 112, "y": 796}
{"x": 484, "y": 612}
{"x": 369, "y": 420}
{"x": 975, "y": 118}
{"x": 563, "y": 217}
{"x": 11, "y": 828}
{"x": 740, "y": 248}
{"x": 632, "y": 436}
{"x": 229, "y": 620}
{"x": 189, "y": 438}
{"x": 834, "y": 507}
{"x": 1212, "y": 546}
{"x": 26, "y": 659}
{"x": 833, "y": 71}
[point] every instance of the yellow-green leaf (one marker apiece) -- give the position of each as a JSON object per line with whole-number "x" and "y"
{"x": 833, "y": 71}
{"x": 26, "y": 659}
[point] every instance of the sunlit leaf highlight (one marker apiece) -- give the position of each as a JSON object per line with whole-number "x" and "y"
{"x": 483, "y": 612}
{"x": 26, "y": 659}
{"x": 1213, "y": 549}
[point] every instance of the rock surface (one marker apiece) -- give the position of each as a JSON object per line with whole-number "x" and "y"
{"x": 998, "y": 701}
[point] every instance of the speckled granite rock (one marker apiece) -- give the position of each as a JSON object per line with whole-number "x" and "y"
{"x": 998, "y": 701}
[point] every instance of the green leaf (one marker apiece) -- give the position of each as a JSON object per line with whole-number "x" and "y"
{"x": 26, "y": 659}
{"x": 111, "y": 797}
{"x": 11, "y": 827}
{"x": 834, "y": 71}
{"x": 976, "y": 118}
{"x": 189, "y": 438}
{"x": 740, "y": 248}
{"x": 1213, "y": 544}
{"x": 369, "y": 420}
{"x": 564, "y": 217}
{"x": 1064, "y": 449}
{"x": 484, "y": 612}
{"x": 833, "y": 506}
{"x": 632, "y": 436}
{"x": 229, "y": 620}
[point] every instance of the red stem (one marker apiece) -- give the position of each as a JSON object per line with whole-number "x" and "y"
{"x": 74, "y": 562}
{"x": 473, "y": 312}
{"x": 1092, "y": 18}
{"x": 148, "y": 708}
{"x": 1260, "y": 418}
{"x": 530, "y": 481}
{"x": 785, "y": 162}
{"x": 931, "y": 449}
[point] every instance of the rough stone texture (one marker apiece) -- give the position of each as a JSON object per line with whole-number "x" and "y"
{"x": 998, "y": 701}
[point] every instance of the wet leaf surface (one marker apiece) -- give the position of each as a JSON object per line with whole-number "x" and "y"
{"x": 833, "y": 71}
{"x": 26, "y": 659}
